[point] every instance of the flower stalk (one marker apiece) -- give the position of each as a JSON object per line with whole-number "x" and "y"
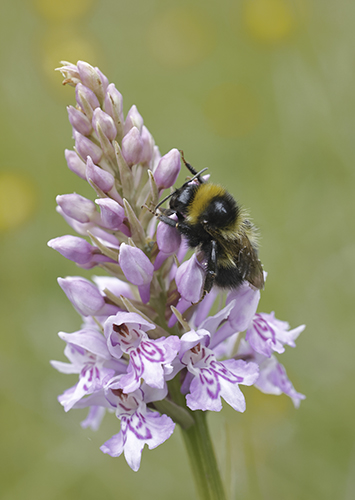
{"x": 149, "y": 350}
{"x": 202, "y": 459}
{"x": 199, "y": 447}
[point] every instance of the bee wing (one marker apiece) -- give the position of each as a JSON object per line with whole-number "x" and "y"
{"x": 242, "y": 254}
{"x": 248, "y": 263}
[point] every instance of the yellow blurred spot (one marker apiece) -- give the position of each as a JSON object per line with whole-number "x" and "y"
{"x": 267, "y": 405}
{"x": 231, "y": 109}
{"x": 269, "y": 20}
{"x": 17, "y": 200}
{"x": 64, "y": 44}
{"x": 62, "y": 10}
{"x": 181, "y": 37}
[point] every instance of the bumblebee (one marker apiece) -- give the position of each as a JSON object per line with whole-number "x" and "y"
{"x": 211, "y": 221}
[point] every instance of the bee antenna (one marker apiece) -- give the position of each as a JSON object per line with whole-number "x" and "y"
{"x": 196, "y": 176}
{"x": 163, "y": 201}
{"x": 191, "y": 168}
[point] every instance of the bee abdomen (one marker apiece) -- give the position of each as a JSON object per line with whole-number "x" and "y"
{"x": 228, "y": 277}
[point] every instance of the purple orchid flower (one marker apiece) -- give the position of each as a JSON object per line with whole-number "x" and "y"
{"x": 266, "y": 334}
{"x": 213, "y": 379}
{"x": 147, "y": 333}
{"x": 139, "y": 426}
{"x": 89, "y": 357}
{"x": 148, "y": 359}
{"x": 272, "y": 375}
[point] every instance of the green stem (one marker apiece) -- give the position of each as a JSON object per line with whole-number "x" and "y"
{"x": 202, "y": 459}
{"x": 200, "y": 451}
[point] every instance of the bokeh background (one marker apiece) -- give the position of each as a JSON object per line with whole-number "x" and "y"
{"x": 260, "y": 91}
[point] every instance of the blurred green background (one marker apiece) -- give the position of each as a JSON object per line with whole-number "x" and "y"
{"x": 261, "y": 92}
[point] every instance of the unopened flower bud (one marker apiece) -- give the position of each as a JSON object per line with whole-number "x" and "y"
{"x": 112, "y": 214}
{"x": 132, "y": 146}
{"x": 133, "y": 119}
{"x": 77, "y": 207}
{"x": 189, "y": 272}
{"x": 246, "y": 303}
{"x": 168, "y": 240}
{"x": 83, "y": 228}
{"x": 114, "y": 106}
{"x": 189, "y": 281}
{"x": 75, "y": 163}
{"x": 70, "y": 73}
{"x": 73, "y": 248}
{"x": 79, "y": 121}
{"x": 86, "y": 148}
{"x": 103, "y": 78}
{"x": 137, "y": 268}
{"x": 148, "y": 145}
{"x": 114, "y": 285}
{"x": 101, "y": 178}
{"x": 167, "y": 169}
{"x": 83, "y": 294}
{"x": 85, "y": 297}
{"x": 86, "y": 99}
{"x": 91, "y": 78}
{"x": 105, "y": 122}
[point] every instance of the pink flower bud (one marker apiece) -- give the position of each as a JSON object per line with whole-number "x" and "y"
{"x": 167, "y": 169}
{"x": 86, "y": 99}
{"x": 132, "y": 146}
{"x": 114, "y": 104}
{"x": 168, "y": 240}
{"x": 75, "y": 163}
{"x": 70, "y": 73}
{"x": 133, "y": 119}
{"x": 148, "y": 145}
{"x": 103, "y": 78}
{"x": 246, "y": 303}
{"x": 190, "y": 272}
{"x": 79, "y": 121}
{"x": 86, "y": 148}
{"x": 105, "y": 122}
{"x": 101, "y": 178}
{"x": 91, "y": 78}
{"x": 137, "y": 268}
{"x": 73, "y": 248}
{"x": 112, "y": 214}
{"x": 83, "y": 294}
{"x": 189, "y": 280}
{"x": 77, "y": 207}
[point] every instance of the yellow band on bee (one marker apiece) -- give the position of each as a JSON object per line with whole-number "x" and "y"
{"x": 202, "y": 198}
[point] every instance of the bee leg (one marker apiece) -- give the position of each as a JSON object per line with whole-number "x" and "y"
{"x": 167, "y": 220}
{"x": 211, "y": 270}
{"x": 181, "y": 226}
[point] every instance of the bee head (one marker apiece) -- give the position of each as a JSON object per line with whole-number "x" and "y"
{"x": 182, "y": 198}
